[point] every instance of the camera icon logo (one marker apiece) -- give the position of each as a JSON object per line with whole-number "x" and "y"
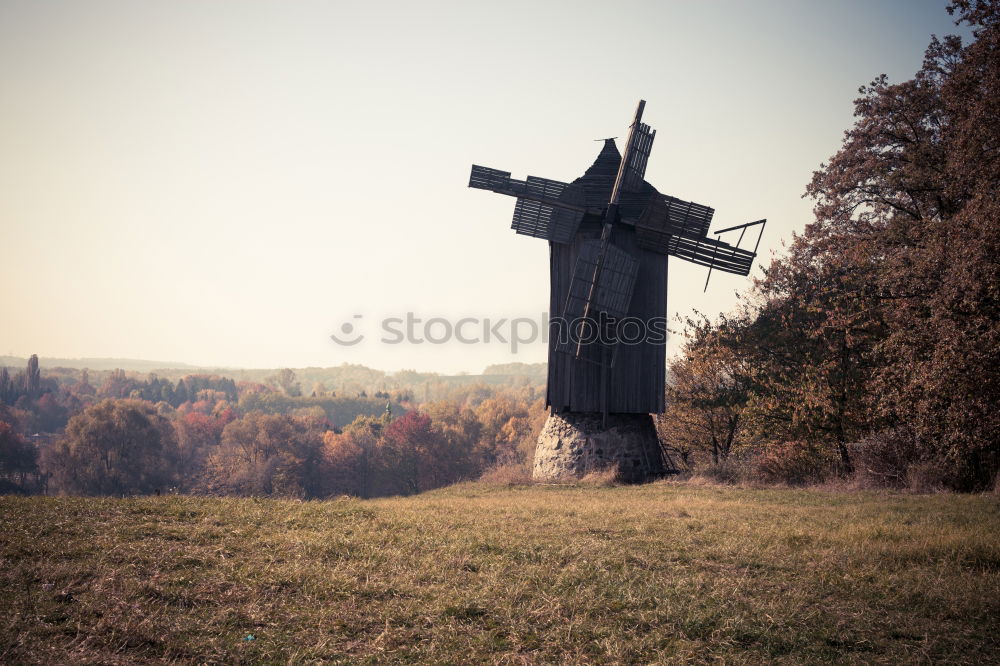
{"x": 347, "y": 329}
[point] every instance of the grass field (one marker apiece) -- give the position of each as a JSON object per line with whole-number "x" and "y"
{"x": 478, "y": 574}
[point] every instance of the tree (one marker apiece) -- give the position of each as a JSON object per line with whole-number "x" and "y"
{"x": 881, "y": 324}
{"x": 355, "y": 460}
{"x": 499, "y": 437}
{"x": 914, "y": 186}
{"x": 115, "y": 447}
{"x": 32, "y": 377}
{"x": 707, "y": 392}
{"x": 347, "y": 462}
{"x": 267, "y": 454}
{"x": 198, "y": 434}
{"x": 83, "y": 388}
{"x": 8, "y": 391}
{"x": 415, "y": 453}
{"x": 18, "y": 460}
{"x": 285, "y": 379}
{"x": 52, "y": 415}
{"x": 117, "y": 385}
{"x": 180, "y": 393}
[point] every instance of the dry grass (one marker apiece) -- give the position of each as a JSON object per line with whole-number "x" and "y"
{"x": 480, "y": 574}
{"x": 602, "y": 478}
{"x": 507, "y": 474}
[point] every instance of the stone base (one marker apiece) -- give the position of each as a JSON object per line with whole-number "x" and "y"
{"x": 573, "y": 444}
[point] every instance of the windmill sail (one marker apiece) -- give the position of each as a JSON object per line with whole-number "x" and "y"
{"x": 545, "y": 208}
{"x": 638, "y": 156}
{"x": 552, "y": 222}
{"x": 664, "y": 215}
{"x": 610, "y": 295}
{"x": 715, "y": 254}
{"x": 614, "y": 285}
{"x": 596, "y": 299}
{"x": 485, "y": 178}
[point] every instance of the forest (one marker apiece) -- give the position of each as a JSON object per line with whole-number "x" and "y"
{"x": 209, "y": 434}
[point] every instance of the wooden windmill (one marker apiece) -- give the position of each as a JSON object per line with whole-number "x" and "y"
{"x": 610, "y": 233}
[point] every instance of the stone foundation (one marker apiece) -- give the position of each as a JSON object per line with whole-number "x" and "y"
{"x": 573, "y": 444}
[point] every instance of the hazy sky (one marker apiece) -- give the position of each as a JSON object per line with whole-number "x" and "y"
{"x": 226, "y": 183}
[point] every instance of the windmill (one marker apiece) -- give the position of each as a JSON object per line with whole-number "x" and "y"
{"x": 610, "y": 233}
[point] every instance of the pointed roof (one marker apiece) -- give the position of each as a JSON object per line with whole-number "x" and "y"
{"x": 607, "y": 161}
{"x": 599, "y": 179}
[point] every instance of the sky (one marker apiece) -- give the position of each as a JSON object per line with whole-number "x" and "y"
{"x": 231, "y": 183}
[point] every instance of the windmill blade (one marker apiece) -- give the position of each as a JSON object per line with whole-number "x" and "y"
{"x": 604, "y": 276}
{"x": 533, "y": 218}
{"x": 545, "y": 190}
{"x": 545, "y": 208}
{"x": 665, "y": 217}
{"x": 615, "y": 282}
{"x": 743, "y": 230}
{"x": 485, "y": 178}
{"x": 715, "y": 254}
{"x": 555, "y": 212}
{"x": 635, "y": 169}
{"x": 593, "y": 307}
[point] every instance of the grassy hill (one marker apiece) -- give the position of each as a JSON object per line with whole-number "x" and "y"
{"x": 474, "y": 574}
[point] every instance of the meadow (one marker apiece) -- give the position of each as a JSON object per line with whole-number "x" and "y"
{"x": 473, "y": 573}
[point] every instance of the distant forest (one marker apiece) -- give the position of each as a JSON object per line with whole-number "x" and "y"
{"x": 118, "y": 432}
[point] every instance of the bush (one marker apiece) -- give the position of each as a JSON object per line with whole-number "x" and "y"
{"x": 926, "y": 477}
{"x": 795, "y": 463}
{"x": 893, "y": 459}
{"x": 882, "y": 459}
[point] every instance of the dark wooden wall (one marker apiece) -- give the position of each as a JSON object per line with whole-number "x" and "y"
{"x": 636, "y": 382}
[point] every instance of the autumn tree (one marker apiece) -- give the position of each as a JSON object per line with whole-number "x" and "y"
{"x": 353, "y": 461}
{"x": 913, "y": 191}
{"x": 8, "y": 391}
{"x": 267, "y": 454}
{"x": 115, "y": 447}
{"x": 509, "y": 425}
{"x": 18, "y": 460}
{"x": 881, "y": 324}
{"x": 416, "y": 457}
{"x": 285, "y": 379}
{"x": 708, "y": 389}
{"x": 53, "y": 410}
{"x": 117, "y": 385}
{"x": 458, "y": 425}
{"x": 198, "y": 435}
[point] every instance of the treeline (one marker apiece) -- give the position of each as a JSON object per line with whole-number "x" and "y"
{"x": 344, "y": 379}
{"x": 871, "y": 350}
{"x": 211, "y": 435}
{"x": 44, "y": 404}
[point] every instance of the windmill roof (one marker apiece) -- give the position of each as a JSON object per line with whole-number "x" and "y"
{"x": 599, "y": 179}
{"x": 607, "y": 161}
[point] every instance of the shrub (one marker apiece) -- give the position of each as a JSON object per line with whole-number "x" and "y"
{"x": 882, "y": 459}
{"x": 795, "y": 463}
